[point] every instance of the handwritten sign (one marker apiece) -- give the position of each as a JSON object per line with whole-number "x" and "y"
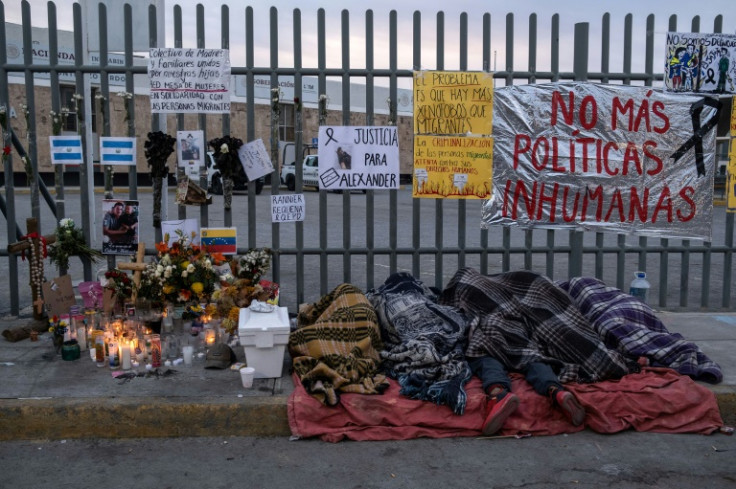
{"x": 287, "y": 208}
{"x": 255, "y": 160}
{"x": 189, "y": 80}
{"x": 452, "y": 167}
{"x": 358, "y": 157}
{"x": 453, "y": 102}
{"x": 58, "y": 295}
{"x": 697, "y": 62}
{"x": 605, "y": 158}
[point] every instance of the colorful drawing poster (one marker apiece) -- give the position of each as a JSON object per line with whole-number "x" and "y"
{"x": 697, "y": 62}
{"x": 457, "y": 167}
{"x": 453, "y": 102}
{"x": 614, "y": 158}
{"x": 358, "y": 157}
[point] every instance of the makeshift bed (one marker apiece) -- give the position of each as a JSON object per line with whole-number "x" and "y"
{"x": 340, "y": 392}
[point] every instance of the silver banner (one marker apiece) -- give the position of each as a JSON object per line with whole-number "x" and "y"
{"x": 596, "y": 157}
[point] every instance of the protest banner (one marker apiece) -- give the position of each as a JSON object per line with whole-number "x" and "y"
{"x": 605, "y": 158}
{"x": 189, "y": 80}
{"x": 358, "y": 157}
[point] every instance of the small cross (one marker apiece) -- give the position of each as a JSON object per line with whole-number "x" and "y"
{"x": 39, "y": 305}
{"x": 136, "y": 267}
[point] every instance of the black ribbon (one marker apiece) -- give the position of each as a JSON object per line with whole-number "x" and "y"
{"x": 698, "y": 132}
{"x": 329, "y": 131}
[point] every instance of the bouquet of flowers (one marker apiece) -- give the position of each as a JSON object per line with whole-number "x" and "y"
{"x": 120, "y": 284}
{"x": 187, "y": 270}
{"x": 227, "y": 162}
{"x": 70, "y": 242}
{"x": 159, "y": 147}
{"x": 253, "y": 265}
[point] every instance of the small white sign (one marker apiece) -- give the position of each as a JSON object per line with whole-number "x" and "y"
{"x": 255, "y": 159}
{"x": 287, "y": 208}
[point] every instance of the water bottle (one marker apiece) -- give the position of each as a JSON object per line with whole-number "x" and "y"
{"x": 640, "y": 286}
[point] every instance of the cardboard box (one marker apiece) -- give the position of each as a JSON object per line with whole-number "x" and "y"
{"x": 264, "y": 336}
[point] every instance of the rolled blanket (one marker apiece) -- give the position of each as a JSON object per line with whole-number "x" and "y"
{"x": 335, "y": 346}
{"x": 632, "y": 327}
{"x": 523, "y": 317}
{"x": 424, "y": 341}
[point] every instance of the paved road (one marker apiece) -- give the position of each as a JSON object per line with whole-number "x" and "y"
{"x": 583, "y": 460}
{"x": 447, "y": 232}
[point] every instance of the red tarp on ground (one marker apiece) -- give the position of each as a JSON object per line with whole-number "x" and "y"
{"x": 657, "y": 400}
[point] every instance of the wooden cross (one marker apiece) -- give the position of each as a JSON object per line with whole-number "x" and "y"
{"x": 21, "y": 246}
{"x": 136, "y": 267}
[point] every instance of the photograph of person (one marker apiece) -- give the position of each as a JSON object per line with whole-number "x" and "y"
{"x": 119, "y": 227}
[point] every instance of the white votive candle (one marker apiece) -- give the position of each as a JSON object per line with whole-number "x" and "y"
{"x": 125, "y": 349}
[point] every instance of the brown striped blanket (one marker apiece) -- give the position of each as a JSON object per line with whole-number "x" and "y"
{"x": 335, "y": 346}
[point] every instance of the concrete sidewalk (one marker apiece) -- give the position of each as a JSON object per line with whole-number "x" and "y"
{"x": 44, "y": 397}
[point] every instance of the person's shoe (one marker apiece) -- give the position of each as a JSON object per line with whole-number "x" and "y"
{"x": 500, "y": 410}
{"x": 570, "y": 406}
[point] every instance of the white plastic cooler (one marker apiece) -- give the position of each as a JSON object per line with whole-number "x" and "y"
{"x": 264, "y": 336}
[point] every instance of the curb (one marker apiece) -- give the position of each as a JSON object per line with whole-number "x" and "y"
{"x": 166, "y": 417}
{"x": 151, "y": 417}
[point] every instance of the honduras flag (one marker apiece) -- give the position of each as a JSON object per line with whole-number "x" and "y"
{"x": 117, "y": 151}
{"x": 66, "y": 150}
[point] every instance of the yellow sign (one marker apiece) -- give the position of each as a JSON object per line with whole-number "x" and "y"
{"x": 452, "y": 167}
{"x": 453, "y": 102}
{"x": 731, "y": 178}
{"x": 733, "y": 117}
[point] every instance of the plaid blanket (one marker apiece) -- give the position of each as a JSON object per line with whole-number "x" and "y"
{"x": 424, "y": 341}
{"x": 335, "y": 346}
{"x": 631, "y": 326}
{"x": 523, "y": 317}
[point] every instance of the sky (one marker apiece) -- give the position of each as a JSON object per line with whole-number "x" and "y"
{"x": 570, "y": 12}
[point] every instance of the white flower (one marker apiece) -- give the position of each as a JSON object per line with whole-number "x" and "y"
{"x": 224, "y": 148}
{"x": 77, "y": 96}
{"x": 159, "y": 268}
{"x": 67, "y": 222}
{"x": 167, "y": 273}
{"x": 184, "y": 274}
{"x": 190, "y": 268}
{"x": 2, "y": 109}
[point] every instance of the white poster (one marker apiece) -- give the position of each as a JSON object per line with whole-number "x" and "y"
{"x": 186, "y": 226}
{"x": 189, "y": 80}
{"x": 255, "y": 159}
{"x": 358, "y": 157}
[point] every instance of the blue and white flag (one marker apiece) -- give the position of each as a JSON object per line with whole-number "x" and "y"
{"x": 117, "y": 151}
{"x": 66, "y": 150}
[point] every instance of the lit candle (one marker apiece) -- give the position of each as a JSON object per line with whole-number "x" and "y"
{"x": 209, "y": 336}
{"x": 126, "y": 356}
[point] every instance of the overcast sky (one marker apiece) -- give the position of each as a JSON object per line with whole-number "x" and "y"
{"x": 570, "y": 12}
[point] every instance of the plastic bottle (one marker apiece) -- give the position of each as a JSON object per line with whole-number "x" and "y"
{"x": 640, "y": 286}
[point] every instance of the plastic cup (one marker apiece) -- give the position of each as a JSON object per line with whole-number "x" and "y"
{"x": 246, "y": 375}
{"x": 188, "y": 352}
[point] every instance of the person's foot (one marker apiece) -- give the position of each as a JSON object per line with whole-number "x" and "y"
{"x": 500, "y": 409}
{"x": 570, "y": 406}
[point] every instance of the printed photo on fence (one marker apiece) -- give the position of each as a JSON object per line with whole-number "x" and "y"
{"x": 190, "y": 150}
{"x": 119, "y": 227}
{"x": 603, "y": 158}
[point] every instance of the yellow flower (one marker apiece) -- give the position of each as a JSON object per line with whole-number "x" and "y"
{"x": 197, "y": 287}
{"x": 184, "y": 264}
{"x": 168, "y": 289}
